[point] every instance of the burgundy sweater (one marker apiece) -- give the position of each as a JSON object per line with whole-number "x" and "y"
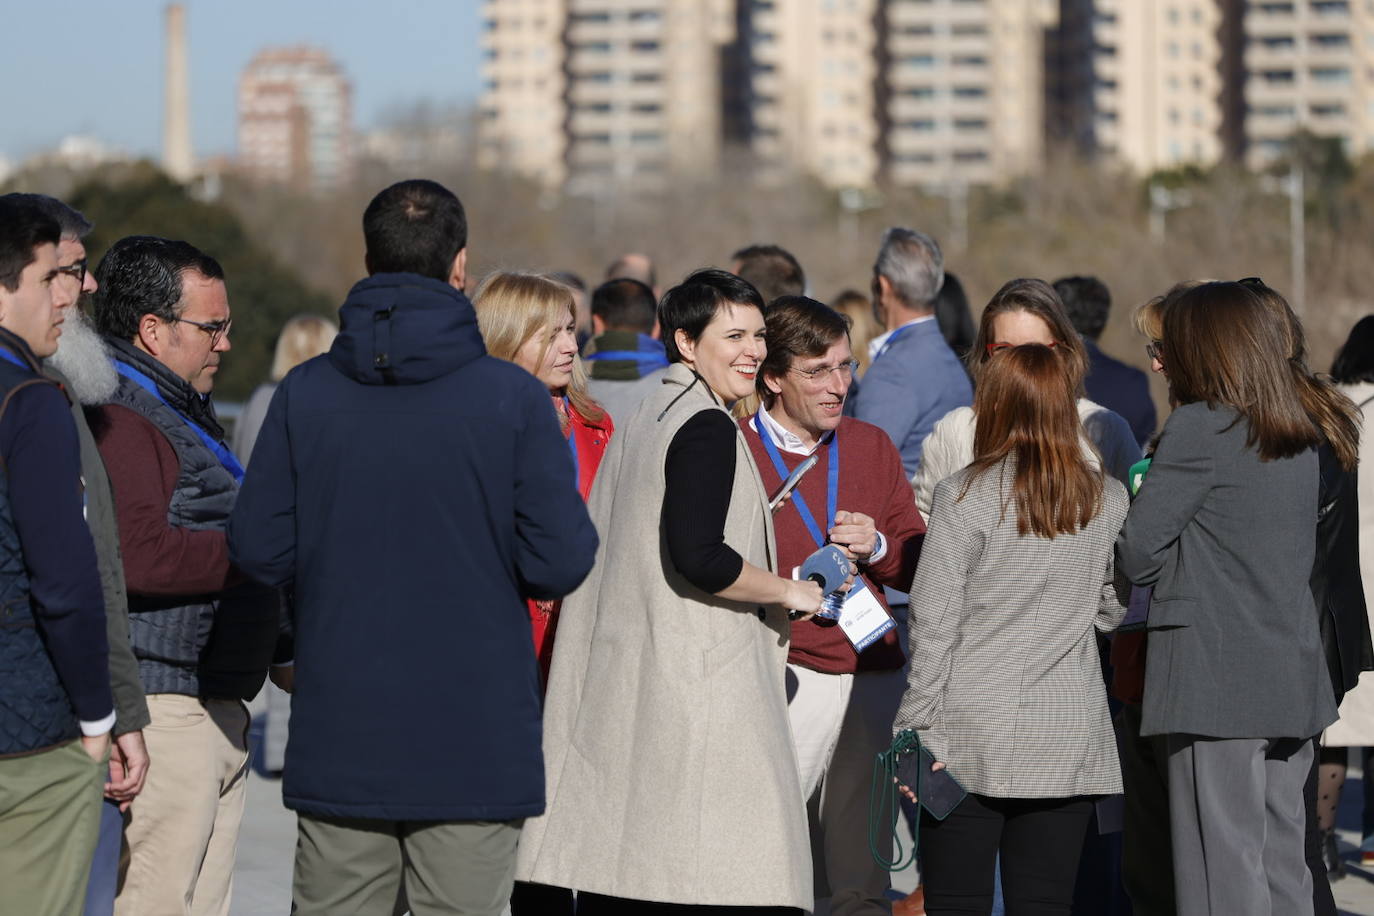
{"x": 871, "y": 482}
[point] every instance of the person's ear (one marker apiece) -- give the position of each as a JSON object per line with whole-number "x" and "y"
{"x": 152, "y": 334}
{"x": 884, "y": 289}
{"x": 686, "y": 346}
{"x": 771, "y": 382}
{"x": 458, "y": 276}
{"x": 598, "y": 326}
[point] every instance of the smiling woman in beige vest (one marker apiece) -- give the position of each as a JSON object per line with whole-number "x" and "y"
{"x": 670, "y": 769}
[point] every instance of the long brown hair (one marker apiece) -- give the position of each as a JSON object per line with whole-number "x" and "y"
{"x": 1335, "y": 414}
{"x": 1039, "y": 299}
{"x": 1025, "y": 403}
{"x": 1225, "y": 346}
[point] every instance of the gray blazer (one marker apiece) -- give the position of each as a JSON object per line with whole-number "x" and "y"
{"x": 1006, "y": 684}
{"x": 1227, "y": 541}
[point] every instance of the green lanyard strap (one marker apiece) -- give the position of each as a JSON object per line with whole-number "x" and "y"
{"x": 884, "y": 796}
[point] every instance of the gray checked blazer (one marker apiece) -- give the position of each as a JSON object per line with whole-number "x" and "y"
{"x": 1228, "y": 541}
{"x": 1006, "y": 684}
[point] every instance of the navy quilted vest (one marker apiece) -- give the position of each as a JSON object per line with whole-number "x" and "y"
{"x": 35, "y": 711}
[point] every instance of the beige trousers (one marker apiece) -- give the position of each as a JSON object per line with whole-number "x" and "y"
{"x": 839, "y": 724}
{"x": 49, "y": 817}
{"x": 181, "y": 831}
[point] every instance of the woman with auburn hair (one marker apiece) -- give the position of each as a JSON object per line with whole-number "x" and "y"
{"x": 1224, "y": 528}
{"x": 1024, "y": 312}
{"x": 530, "y": 320}
{"x": 1005, "y": 688}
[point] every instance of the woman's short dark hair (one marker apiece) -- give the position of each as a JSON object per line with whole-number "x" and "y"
{"x": 798, "y": 327}
{"x": 1355, "y": 360}
{"x": 690, "y": 306}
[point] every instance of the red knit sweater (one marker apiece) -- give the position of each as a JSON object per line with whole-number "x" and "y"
{"x": 871, "y": 482}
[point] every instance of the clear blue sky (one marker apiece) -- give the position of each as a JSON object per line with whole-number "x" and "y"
{"x": 95, "y": 66}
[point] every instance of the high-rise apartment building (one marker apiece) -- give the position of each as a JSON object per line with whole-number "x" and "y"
{"x": 1310, "y": 66}
{"x": 295, "y": 118}
{"x": 962, "y": 95}
{"x": 1141, "y": 81}
{"x": 800, "y": 89}
{"x": 593, "y": 93}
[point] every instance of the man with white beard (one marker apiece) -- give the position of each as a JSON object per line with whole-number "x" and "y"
{"x": 83, "y": 367}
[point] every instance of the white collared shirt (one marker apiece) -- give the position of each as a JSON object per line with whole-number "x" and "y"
{"x": 875, "y": 346}
{"x": 790, "y": 442}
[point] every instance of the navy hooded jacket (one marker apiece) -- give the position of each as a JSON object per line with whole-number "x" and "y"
{"x": 414, "y": 490}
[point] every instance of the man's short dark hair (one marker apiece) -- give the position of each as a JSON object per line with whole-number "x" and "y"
{"x": 416, "y": 227}
{"x": 798, "y": 328}
{"x": 692, "y": 304}
{"x": 143, "y": 275}
{"x": 1088, "y": 302}
{"x": 72, "y": 224}
{"x": 23, "y": 228}
{"x": 625, "y": 305}
{"x": 772, "y": 269}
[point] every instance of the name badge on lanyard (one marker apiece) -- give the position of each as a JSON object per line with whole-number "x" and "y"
{"x": 862, "y": 618}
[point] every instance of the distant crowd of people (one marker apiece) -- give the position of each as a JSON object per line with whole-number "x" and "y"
{"x": 531, "y": 575}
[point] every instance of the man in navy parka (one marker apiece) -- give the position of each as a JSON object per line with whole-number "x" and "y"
{"x": 412, "y": 490}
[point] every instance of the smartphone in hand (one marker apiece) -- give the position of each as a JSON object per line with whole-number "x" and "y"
{"x": 938, "y": 792}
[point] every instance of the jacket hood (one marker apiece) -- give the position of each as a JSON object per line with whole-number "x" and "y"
{"x": 404, "y": 329}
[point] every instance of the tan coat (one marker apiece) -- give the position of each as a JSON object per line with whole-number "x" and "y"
{"x": 670, "y": 767}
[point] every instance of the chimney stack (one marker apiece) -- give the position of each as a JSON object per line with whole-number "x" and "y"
{"x": 177, "y": 158}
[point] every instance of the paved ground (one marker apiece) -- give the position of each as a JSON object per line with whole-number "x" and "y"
{"x": 262, "y": 883}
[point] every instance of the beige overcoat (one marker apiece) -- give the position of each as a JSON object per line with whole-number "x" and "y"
{"x": 670, "y": 767}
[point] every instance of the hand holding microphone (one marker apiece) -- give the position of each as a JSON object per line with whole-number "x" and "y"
{"x": 831, "y": 570}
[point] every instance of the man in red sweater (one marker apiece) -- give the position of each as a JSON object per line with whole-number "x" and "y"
{"x": 844, "y": 676}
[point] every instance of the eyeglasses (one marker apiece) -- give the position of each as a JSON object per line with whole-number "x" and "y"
{"x": 1155, "y": 350}
{"x": 845, "y": 369}
{"x": 999, "y": 347}
{"x": 218, "y": 330}
{"x": 1250, "y": 281}
{"x": 76, "y": 270}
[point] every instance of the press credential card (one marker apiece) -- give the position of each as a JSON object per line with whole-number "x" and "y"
{"x": 863, "y": 619}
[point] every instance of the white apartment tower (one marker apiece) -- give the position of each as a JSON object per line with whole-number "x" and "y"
{"x": 963, "y": 89}
{"x": 1309, "y": 65}
{"x": 595, "y": 93}
{"x": 295, "y": 119}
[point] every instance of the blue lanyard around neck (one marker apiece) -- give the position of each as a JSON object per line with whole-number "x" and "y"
{"x": 572, "y": 444}
{"x": 896, "y": 336}
{"x": 6, "y": 355}
{"x": 832, "y": 483}
{"x": 220, "y": 450}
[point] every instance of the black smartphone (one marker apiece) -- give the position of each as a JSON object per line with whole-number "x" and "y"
{"x": 939, "y": 792}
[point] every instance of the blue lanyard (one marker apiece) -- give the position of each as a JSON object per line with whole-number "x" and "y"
{"x": 221, "y": 451}
{"x": 10, "y": 357}
{"x": 832, "y": 484}
{"x": 572, "y": 444}
{"x": 887, "y": 344}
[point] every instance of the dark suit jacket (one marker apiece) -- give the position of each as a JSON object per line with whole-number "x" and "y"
{"x": 1122, "y": 388}
{"x": 1228, "y": 542}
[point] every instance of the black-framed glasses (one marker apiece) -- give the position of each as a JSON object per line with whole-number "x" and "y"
{"x": 1250, "y": 281}
{"x": 75, "y": 270}
{"x": 1155, "y": 350}
{"x": 846, "y": 370}
{"x": 217, "y": 330}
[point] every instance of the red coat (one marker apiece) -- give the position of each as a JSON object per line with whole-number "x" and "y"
{"x": 592, "y": 439}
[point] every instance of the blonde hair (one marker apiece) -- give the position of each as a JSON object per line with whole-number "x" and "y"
{"x": 514, "y": 307}
{"x": 303, "y": 337}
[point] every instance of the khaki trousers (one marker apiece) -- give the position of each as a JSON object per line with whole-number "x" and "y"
{"x": 181, "y": 830}
{"x": 49, "y": 819}
{"x": 840, "y": 722}
{"x": 376, "y": 868}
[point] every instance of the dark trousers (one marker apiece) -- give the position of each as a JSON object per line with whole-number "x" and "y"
{"x": 1147, "y": 854}
{"x": 1323, "y": 903}
{"x": 1039, "y": 840}
{"x": 598, "y": 905}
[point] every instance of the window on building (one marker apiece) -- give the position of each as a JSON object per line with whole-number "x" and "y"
{"x": 1275, "y": 9}
{"x": 593, "y": 139}
{"x": 920, "y": 125}
{"x": 970, "y": 92}
{"x": 1277, "y": 77}
{"x": 593, "y": 76}
{"x": 969, "y": 60}
{"x": 967, "y": 28}
{"x": 1331, "y": 75}
{"x": 647, "y": 77}
{"x": 644, "y": 46}
{"x": 592, "y": 17}
{"x": 971, "y": 155}
{"x": 646, "y": 107}
{"x": 644, "y": 16}
{"x": 592, "y": 47}
{"x": 1330, "y": 41}
{"x": 1328, "y": 109}
{"x": 969, "y": 124}
{"x": 914, "y": 158}
{"x": 917, "y": 92}
{"x": 919, "y": 61}
{"x": 1330, "y": 7}
{"x": 646, "y": 138}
